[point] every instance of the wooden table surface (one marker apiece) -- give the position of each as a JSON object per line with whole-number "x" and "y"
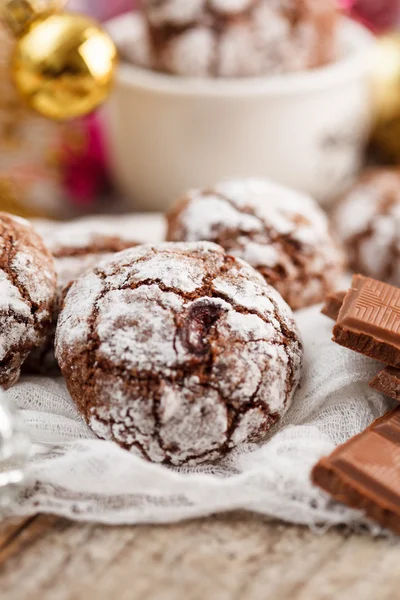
{"x": 229, "y": 557}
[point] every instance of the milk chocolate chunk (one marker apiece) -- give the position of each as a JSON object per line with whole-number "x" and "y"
{"x": 333, "y": 304}
{"x": 388, "y": 382}
{"x": 369, "y": 320}
{"x": 364, "y": 473}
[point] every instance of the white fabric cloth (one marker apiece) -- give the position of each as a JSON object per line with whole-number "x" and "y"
{"x": 75, "y": 475}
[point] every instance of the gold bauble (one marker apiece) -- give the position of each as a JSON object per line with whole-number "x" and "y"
{"x": 386, "y": 97}
{"x": 64, "y": 65}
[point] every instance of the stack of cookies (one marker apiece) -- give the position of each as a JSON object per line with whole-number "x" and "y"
{"x": 231, "y": 38}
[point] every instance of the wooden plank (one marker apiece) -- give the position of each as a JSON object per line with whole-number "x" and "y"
{"x": 229, "y": 557}
{"x": 365, "y": 569}
{"x": 17, "y": 536}
{"x": 218, "y": 558}
{"x": 10, "y": 529}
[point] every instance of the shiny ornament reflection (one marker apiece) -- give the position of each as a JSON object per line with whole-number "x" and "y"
{"x": 64, "y": 65}
{"x": 386, "y": 97}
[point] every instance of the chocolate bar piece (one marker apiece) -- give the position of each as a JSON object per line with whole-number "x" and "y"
{"x": 333, "y": 304}
{"x": 388, "y": 382}
{"x": 364, "y": 473}
{"x": 369, "y": 320}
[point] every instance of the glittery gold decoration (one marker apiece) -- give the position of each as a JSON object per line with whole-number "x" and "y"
{"x": 30, "y": 179}
{"x": 11, "y": 109}
{"x": 64, "y": 66}
{"x": 386, "y": 94}
{"x": 64, "y": 63}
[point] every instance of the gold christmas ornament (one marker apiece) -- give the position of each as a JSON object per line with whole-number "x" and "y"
{"x": 386, "y": 97}
{"x": 64, "y": 63}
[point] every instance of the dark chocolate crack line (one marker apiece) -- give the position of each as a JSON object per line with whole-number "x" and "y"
{"x": 179, "y": 351}
{"x": 27, "y": 294}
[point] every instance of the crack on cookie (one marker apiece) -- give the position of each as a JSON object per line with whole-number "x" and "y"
{"x": 293, "y": 250}
{"x": 102, "y": 245}
{"x": 35, "y": 328}
{"x": 200, "y": 340}
{"x": 384, "y": 199}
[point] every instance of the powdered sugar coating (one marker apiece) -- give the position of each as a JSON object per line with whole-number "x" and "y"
{"x": 180, "y": 13}
{"x": 68, "y": 268}
{"x": 232, "y": 38}
{"x": 25, "y": 267}
{"x": 368, "y": 222}
{"x": 179, "y": 351}
{"x": 173, "y": 12}
{"x": 280, "y": 232}
{"x": 88, "y": 235}
{"x": 12, "y": 331}
{"x": 132, "y": 37}
{"x": 230, "y": 6}
{"x": 27, "y": 294}
{"x": 190, "y": 54}
{"x": 78, "y": 246}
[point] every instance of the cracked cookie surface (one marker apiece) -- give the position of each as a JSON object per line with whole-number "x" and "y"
{"x": 27, "y": 294}
{"x": 233, "y": 38}
{"x": 178, "y": 351}
{"x": 280, "y": 232}
{"x": 367, "y": 220}
{"x": 77, "y": 247}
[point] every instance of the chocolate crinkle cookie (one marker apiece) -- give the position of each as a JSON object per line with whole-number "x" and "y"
{"x": 27, "y": 294}
{"x": 368, "y": 222}
{"x": 178, "y": 351}
{"x": 282, "y": 233}
{"x": 99, "y": 233}
{"x": 80, "y": 245}
{"x": 232, "y": 38}
{"x": 77, "y": 246}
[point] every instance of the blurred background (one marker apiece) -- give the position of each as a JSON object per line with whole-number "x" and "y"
{"x": 55, "y": 170}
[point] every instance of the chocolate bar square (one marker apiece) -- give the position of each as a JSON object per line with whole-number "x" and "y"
{"x": 364, "y": 473}
{"x": 369, "y": 320}
{"x": 388, "y": 382}
{"x": 333, "y": 304}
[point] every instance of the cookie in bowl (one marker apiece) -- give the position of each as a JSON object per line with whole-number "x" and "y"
{"x": 233, "y": 38}
{"x": 178, "y": 351}
{"x": 27, "y": 294}
{"x": 282, "y": 233}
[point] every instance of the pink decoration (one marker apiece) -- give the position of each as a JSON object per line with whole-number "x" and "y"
{"x": 378, "y": 15}
{"x": 83, "y": 156}
{"x": 106, "y": 9}
{"x": 103, "y": 9}
{"x": 346, "y": 4}
{"x": 84, "y": 162}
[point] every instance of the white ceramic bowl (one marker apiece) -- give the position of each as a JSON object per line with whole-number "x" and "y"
{"x": 306, "y": 130}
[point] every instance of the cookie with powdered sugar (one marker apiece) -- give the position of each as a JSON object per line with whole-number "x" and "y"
{"x": 178, "y": 351}
{"x": 77, "y": 246}
{"x": 367, "y": 220}
{"x": 282, "y": 233}
{"x": 27, "y": 294}
{"x": 232, "y": 38}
